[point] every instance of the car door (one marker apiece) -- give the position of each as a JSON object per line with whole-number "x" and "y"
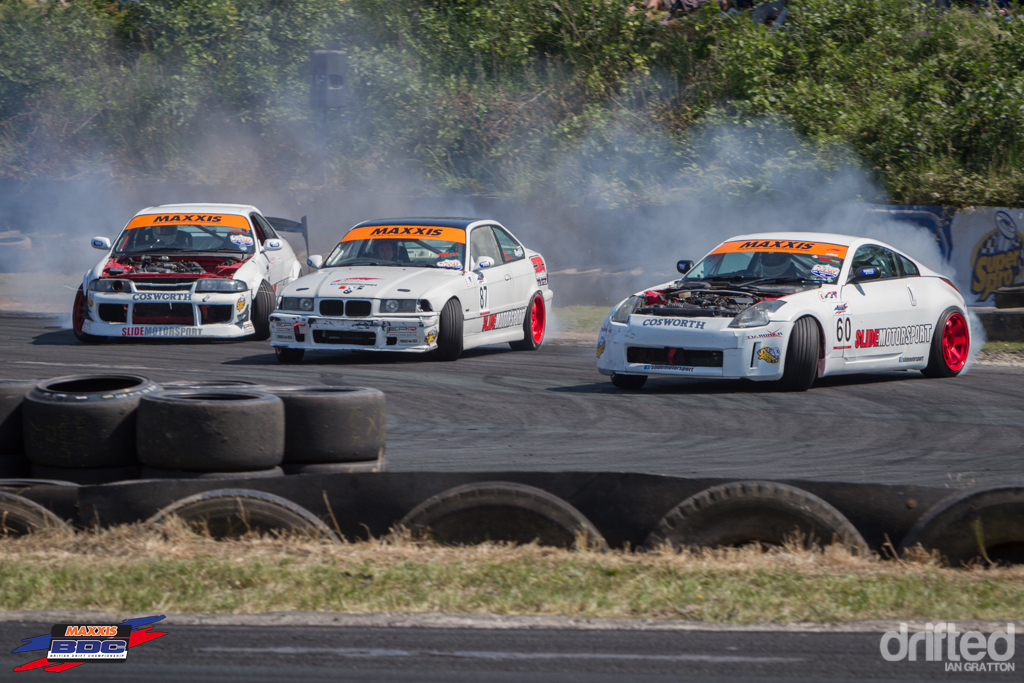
{"x": 883, "y": 317}
{"x": 495, "y": 292}
{"x": 278, "y": 262}
{"x": 524, "y": 279}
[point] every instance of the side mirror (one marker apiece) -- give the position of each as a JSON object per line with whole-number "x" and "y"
{"x": 272, "y": 245}
{"x": 101, "y": 243}
{"x": 484, "y": 262}
{"x": 866, "y": 273}
{"x": 315, "y": 261}
{"x": 684, "y": 267}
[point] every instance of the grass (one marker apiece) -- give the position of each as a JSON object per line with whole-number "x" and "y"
{"x": 1004, "y": 347}
{"x": 168, "y": 569}
{"x": 579, "y": 319}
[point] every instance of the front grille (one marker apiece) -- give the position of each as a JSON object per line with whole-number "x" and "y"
{"x": 335, "y": 307}
{"x": 345, "y": 307}
{"x": 163, "y": 314}
{"x": 211, "y": 315}
{"x": 113, "y": 313}
{"x": 662, "y": 356}
{"x": 172, "y": 284}
{"x": 344, "y": 337}
{"x": 357, "y": 309}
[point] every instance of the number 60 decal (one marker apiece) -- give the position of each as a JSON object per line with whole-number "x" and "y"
{"x": 843, "y": 331}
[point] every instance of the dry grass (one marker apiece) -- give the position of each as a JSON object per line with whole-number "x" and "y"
{"x": 137, "y": 569}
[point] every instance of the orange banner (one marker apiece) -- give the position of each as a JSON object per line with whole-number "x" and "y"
{"x": 405, "y": 232}
{"x": 229, "y": 220}
{"x": 787, "y": 246}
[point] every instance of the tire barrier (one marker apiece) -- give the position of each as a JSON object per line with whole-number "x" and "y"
{"x": 153, "y": 473}
{"x": 335, "y": 467}
{"x": 501, "y": 511}
{"x": 985, "y": 524}
{"x": 21, "y": 516}
{"x": 83, "y": 421}
{"x": 332, "y": 424}
{"x": 211, "y": 430}
{"x": 15, "y": 466}
{"x": 215, "y": 384}
{"x": 85, "y": 476}
{"x": 12, "y": 394}
{"x": 745, "y": 512}
{"x": 229, "y": 513}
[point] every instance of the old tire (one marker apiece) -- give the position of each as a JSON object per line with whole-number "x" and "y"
{"x": 501, "y": 511}
{"x": 801, "y": 356}
{"x": 287, "y": 356}
{"x": 951, "y": 344}
{"x": 534, "y": 325}
{"x": 12, "y": 394}
{"x": 334, "y": 467}
{"x": 229, "y": 384}
{"x": 84, "y": 420}
{"x": 449, "y": 336}
{"x": 79, "y": 314}
{"x": 747, "y": 512}
{"x": 975, "y": 523}
{"x": 262, "y": 307}
{"x": 332, "y": 424}
{"x": 1009, "y": 297}
{"x": 15, "y": 467}
{"x": 86, "y": 476}
{"x": 154, "y": 473}
{"x": 229, "y": 513}
{"x": 214, "y": 430}
{"x": 22, "y": 516}
{"x": 629, "y": 382}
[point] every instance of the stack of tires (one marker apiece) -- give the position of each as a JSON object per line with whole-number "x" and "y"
{"x": 13, "y": 462}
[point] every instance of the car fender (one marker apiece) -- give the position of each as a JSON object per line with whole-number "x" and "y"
{"x": 250, "y": 273}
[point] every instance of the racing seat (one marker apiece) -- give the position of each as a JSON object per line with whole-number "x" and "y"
{"x": 403, "y": 254}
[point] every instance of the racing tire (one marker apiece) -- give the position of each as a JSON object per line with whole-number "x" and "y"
{"x": 262, "y": 307}
{"x": 86, "y": 476}
{"x": 214, "y": 430}
{"x": 79, "y": 314}
{"x": 19, "y": 516}
{"x": 501, "y": 511}
{"x": 801, "y": 356}
{"x": 84, "y": 421}
{"x": 379, "y": 465}
{"x": 229, "y": 513}
{"x": 534, "y": 326}
{"x": 449, "y": 336}
{"x": 229, "y": 384}
{"x": 951, "y": 344}
{"x": 328, "y": 424}
{"x": 287, "y": 356}
{"x": 154, "y": 473}
{"x": 745, "y": 512}
{"x": 12, "y": 395}
{"x": 981, "y": 522}
{"x": 630, "y": 382}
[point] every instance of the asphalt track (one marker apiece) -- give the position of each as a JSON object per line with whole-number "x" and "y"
{"x": 498, "y": 409}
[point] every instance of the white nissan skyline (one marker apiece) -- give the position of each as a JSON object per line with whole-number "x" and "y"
{"x": 791, "y": 307}
{"x": 412, "y": 285}
{"x": 187, "y": 270}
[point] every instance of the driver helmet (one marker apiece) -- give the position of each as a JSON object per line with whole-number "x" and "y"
{"x": 385, "y": 245}
{"x": 774, "y": 263}
{"x": 166, "y": 232}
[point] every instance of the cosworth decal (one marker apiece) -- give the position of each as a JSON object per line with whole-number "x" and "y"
{"x": 788, "y": 246}
{"x": 162, "y": 296}
{"x": 498, "y": 321}
{"x": 893, "y": 336}
{"x": 405, "y": 232}
{"x": 674, "y": 322}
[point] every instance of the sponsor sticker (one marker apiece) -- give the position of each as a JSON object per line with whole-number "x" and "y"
{"x": 600, "y": 347}
{"x": 787, "y": 246}
{"x": 452, "y": 264}
{"x": 675, "y": 322}
{"x": 769, "y": 354}
{"x": 893, "y": 336}
{"x": 822, "y": 270}
{"x": 400, "y": 232}
{"x": 188, "y": 219}
{"x": 70, "y": 645}
{"x": 841, "y": 309}
{"x": 241, "y": 240}
{"x": 911, "y": 359}
{"x": 153, "y": 331}
{"x": 431, "y": 335}
{"x": 162, "y": 296}
{"x": 829, "y": 295}
{"x": 498, "y": 321}
{"x": 765, "y": 335}
{"x": 677, "y": 368}
{"x": 240, "y": 304}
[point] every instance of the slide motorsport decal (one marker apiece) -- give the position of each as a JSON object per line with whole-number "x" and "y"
{"x": 71, "y": 645}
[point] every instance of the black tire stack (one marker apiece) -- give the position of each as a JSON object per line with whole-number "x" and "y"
{"x": 13, "y": 462}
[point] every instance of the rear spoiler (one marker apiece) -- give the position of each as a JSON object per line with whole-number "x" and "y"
{"x": 285, "y": 225}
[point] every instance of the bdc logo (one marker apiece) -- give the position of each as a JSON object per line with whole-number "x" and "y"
{"x": 70, "y": 643}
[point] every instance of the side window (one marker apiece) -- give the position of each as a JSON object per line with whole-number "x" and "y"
{"x": 482, "y": 243}
{"x": 908, "y": 267}
{"x": 510, "y": 248}
{"x": 261, "y": 235}
{"x": 881, "y": 258}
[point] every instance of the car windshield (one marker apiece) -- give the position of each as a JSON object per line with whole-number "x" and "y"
{"x": 185, "y": 237}
{"x": 415, "y": 252}
{"x": 771, "y": 261}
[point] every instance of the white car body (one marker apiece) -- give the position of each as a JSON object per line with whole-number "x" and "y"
{"x": 867, "y": 325}
{"x": 346, "y": 304}
{"x": 158, "y": 297}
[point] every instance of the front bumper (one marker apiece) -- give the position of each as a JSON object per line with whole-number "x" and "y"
{"x": 176, "y": 314}
{"x": 663, "y": 348}
{"x": 411, "y": 334}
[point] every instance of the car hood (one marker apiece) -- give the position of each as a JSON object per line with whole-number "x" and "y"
{"x": 375, "y": 282}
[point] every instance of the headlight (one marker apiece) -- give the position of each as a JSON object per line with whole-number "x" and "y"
{"x": 758, "y": 314}
{"x": 294, "y": 303}
{"x": 398, "y": 306}
{"x": 221, "y": 285}
{"x": 624, "y": 310}
{"x": 110, "y": 286}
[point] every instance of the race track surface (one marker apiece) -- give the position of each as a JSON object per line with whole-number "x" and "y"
{"x": 497, "y": 409}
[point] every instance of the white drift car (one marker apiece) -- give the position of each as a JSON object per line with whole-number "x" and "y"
{"x": 789, "y": 307}
{"x": 409, "y": 285}
{"x": 187, "y": 270}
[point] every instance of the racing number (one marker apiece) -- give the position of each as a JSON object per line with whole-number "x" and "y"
{"x": 483, "y": 297}
{"x": 843, "y": 329}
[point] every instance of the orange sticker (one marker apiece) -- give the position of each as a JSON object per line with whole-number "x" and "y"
{"x": 189, "y": 219}
{"x": 405, "y": 232}
{"x": 787, "y": 246}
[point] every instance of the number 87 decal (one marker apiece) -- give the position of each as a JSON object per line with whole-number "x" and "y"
{"x": 843, "y": 329}
{"x": 483, "y": 297}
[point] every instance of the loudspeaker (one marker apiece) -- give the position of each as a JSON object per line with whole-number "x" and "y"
{"x": 327, "y": 68}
